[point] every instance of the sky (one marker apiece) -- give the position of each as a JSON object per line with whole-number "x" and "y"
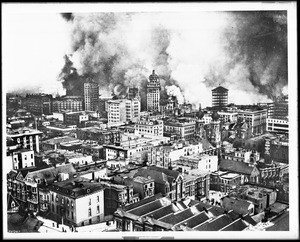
{"x": 193, "y": 51}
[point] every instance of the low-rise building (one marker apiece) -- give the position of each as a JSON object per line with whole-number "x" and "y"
{"x": 261, "y": 197}
{"x": 109, "y": 136}
{"x": 225, "y": 181}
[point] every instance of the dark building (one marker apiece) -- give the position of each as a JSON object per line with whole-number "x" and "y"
{"x": 38, "y": 103}
{"x": 219, "y": 98}
{"x": 133, "y": 92}
{"x": 153, "y": 93}
{"x": 90, "y": 95}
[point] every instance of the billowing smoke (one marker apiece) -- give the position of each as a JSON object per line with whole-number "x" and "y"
{"x": 175, "y": 91}
{"x": 246, "y": 52}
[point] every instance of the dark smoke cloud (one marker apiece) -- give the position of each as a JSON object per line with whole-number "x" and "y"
{"x": 245, "y": 52}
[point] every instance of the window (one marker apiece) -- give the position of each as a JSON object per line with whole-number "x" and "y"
{"x": 98, "y": 209}
{"x": 98, "y": 199}
{"x": 90, "y": 212}
{"x": 52, "y": 197}
{"x": 90, "y": 201}
{"x": 72, "y": 204}
{"x": 72, "y": 214}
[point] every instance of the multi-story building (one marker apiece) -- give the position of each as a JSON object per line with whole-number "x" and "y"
{"x": 153, "y": 93}
{"x": 55, "y": 143}
{"x": 70, "y": 103}
{"x": 21, "y": 159}
{"x": 133, "y": 107}
{"x": 163, "y": 156}
{"x": 144, "y": 186}
{"x": 228, "y": 116}
{"x": 219, "y": 98}
{"x": 225, "y": 181}
{"x": 133, "y": 92}
{"x": 203, "y": 162}
{"x": 213, "y": 130}
{"x": 149, "y": 128}
{"x": 115, "y": 196}
{"x": 278, "y": 126}
{"x": 279, "y": 108}
{"x": 260, "y": 196}
{"x": 30, "y": 186}
{"x": 90, "y": 95}
{"x": 167, "y": 182}
{"x": 182, "y": 128}
{"x": 120, "y": 111}
{"x": 38, "y": 103}
{"x": 243, "y": 155}
{"x": 277, "y": 149}
{"x": 108, "y": 136}
{"x": 77, "y": 201}
{"x": 75, "y": 118}
{"x": 256, "y": 119}
{"x": 116, "y": 112}
{"x": 23, "y": 138}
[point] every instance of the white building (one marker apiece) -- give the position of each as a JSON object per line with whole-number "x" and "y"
{"x": 77, "y": 201}
{"x": 228, "y": 116}
{"x": 208, "y": 163}
{"x": 122, "y": 110}
{"x": 21, "y": 159}
{"x": 149, "y": 128}
{"x": 256, "y": 119}
{"x": 277, "y": 125}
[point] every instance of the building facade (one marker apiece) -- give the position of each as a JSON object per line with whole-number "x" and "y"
{"x": 71, "y": 103}
{"x": 219, "y": 98}
{"x": 149, "y": 128}
{"x": 38, "y": 103}
{"x": 153, "y": 93}
{"x": 90, "y": 95}
{"x": 77, "y": 201}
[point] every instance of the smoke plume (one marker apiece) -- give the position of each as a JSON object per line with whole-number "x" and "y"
{"x": 246, "y": 52}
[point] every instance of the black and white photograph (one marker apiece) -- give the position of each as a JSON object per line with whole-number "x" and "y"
{"x": 150, "y": 120}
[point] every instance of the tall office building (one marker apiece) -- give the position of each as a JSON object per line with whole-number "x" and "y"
{"x": 38, "y": 103}
{"x": 153, "y": 93}
{"x": 90, "y": 95}
{"x": 219, "y": 98}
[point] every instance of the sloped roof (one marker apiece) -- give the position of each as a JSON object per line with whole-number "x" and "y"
{"x": 164, "y": 211}
{"x": 250, "y": 220}
{"x": 49, "y": 174}
{"x": 196, "y": 220}
{"x": 215, "y": 225}
{"x": 237, "y": 205}
{"x": 10, "y": 199}
{"x": 168, "y": 172}
{"x": 146, "y": 208}
{"x": 159, "y": 177}
{"x": 235, "y": 166}
{"x": 237, "y": 225}
{"x": 142, "y": 202}
{"x": 177, "y": 217}
{"x": 220, "y": 89}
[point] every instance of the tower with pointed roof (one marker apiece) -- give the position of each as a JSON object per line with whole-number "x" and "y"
{"x": 153, "y": 93}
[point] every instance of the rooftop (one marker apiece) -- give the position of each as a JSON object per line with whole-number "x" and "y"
{"x": 76, "y": 187}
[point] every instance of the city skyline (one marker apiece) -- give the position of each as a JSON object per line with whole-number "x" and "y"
{"x": 246, "y": 52}
{"x": 177, "y": 119}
